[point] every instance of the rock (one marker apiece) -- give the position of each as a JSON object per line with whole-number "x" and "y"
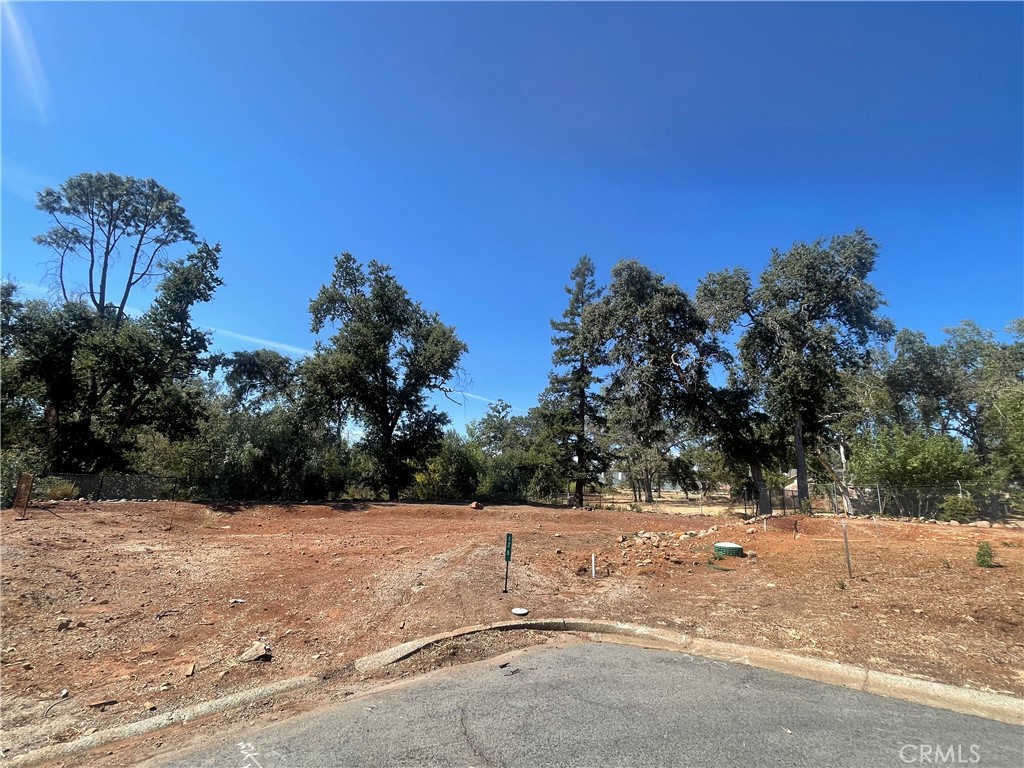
{"x": 691, "y": 533}
{"x": 751, "y": 530}
{"x": 150, "y": 706}
{"x": 476, "y": 505}
{"x": 621, "y": 539}
{"x": 101, "y": 703}
{"x": 63, "y": 624}
{"x": 190, "y": 670}
{"x": 402, "y": 625}
{"x": 953, "y": 522}
{"x": 751, "y": 554}
{"x": 258, "y": 651}
{"x": 558, "y": 551}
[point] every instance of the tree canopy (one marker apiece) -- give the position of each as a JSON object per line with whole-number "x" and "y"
{"x": 734, "y": 385}
{"x": 118, "y": 228}
{"x": 813, "y": 315}
{"x": 386, "y": 355}
{"x": 572, "y": 411}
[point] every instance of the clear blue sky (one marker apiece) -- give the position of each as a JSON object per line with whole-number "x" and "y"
{"x": 480, "y": 149}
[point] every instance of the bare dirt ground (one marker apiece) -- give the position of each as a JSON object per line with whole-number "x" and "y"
{"x": 149, "y": 605}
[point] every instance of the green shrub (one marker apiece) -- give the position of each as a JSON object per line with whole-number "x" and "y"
{"x": 56, "y": 489}
{"x": 14, "y": 461}
{"x": 983, "y": 557}
{"x": 962, "y": 509}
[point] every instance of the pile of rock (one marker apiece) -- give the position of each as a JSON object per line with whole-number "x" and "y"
{"x": 662, "y": 538}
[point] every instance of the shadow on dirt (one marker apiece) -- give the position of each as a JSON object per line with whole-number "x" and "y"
{"x": 294, "y": 507}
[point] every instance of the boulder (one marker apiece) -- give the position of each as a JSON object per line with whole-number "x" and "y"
{"x": 258, "y": 651}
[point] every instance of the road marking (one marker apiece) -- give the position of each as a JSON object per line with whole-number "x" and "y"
{"x": 249, "y": 753}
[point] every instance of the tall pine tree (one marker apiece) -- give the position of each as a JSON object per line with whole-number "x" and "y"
{"x": 570, "y": 407}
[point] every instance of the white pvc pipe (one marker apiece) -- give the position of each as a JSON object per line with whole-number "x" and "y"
{"x": 593, "y": 566}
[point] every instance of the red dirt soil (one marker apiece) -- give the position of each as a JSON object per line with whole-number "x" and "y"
{"x": 118, "y": 601}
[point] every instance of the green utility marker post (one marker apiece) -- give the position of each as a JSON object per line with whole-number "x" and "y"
{"x": 508, "y": 557}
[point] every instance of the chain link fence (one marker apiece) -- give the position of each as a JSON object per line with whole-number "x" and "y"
{"x": 932, "y": 502}
{"x": 924, "y": 502}
{"x": 108, "y": 487}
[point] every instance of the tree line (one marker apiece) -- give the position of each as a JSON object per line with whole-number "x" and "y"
{"x": 734, "y": 384}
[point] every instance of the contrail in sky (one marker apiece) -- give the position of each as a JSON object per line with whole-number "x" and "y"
{"x": 303, "y": 352}
{"x": 264, "y": 342}
{"x": 27, "y": 64}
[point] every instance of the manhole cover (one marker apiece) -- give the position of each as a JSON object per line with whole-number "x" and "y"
{"x": 520, "y": 611}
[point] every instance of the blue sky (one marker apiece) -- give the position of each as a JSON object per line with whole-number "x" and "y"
{"x": 480, "y": 149}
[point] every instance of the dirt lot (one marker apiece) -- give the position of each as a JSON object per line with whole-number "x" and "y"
{"x": 149, "y": 605}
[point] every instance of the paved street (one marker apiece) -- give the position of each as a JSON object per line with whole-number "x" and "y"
{"x": 600, "y": 704}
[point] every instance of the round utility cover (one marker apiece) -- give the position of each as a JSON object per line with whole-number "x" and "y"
{"x": 727, "y": 548}
{"x": 520, "y": 611}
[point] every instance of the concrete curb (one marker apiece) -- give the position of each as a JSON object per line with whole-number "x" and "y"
{"x": 150, "y": 724}
{"x": 994, "y": 706}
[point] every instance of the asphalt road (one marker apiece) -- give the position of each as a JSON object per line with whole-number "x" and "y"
{"x": 597, "y": 704}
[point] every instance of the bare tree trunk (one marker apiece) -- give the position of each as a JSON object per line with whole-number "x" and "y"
{"x": 51, "y": 415}
{"x": 581, "y": 425}
{"x": 764, "y": 501}
{"x": 802, "y": 488}
{"x": 844, "y": 489}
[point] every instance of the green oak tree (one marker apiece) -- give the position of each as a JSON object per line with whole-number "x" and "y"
{"x": 813, "y": 315}
{"x": 93, "y": 379}
{"x": 386, "y": 356}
